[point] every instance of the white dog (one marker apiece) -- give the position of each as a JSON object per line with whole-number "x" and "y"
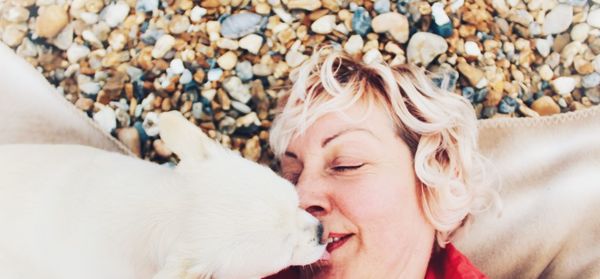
{"x": 69, "y": 211}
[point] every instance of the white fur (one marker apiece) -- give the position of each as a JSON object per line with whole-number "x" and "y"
{"x": 69, "y": 211}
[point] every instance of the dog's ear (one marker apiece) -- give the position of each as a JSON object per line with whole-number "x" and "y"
{"x": 185, "y": 139}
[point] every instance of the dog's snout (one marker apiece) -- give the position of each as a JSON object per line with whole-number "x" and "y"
{"x": 320, "y": 233}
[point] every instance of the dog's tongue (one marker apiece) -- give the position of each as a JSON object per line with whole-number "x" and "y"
{"x": 326, "y": 256}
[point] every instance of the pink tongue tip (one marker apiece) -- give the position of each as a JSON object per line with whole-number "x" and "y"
{"x": 326, "y": 256}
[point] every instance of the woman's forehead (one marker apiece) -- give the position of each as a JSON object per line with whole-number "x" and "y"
{"x": 352, "y": 121}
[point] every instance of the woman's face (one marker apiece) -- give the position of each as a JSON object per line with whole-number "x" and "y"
{"x": 357, "y": 177}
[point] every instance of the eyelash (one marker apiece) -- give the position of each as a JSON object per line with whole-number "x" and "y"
{"x": 347, "y": 168}
{"x": 293, "y": 178}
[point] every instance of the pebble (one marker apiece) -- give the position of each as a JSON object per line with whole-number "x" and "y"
{"x": 239, "y": 25}
{"x": 248, "y": 120}
{"x": 94, "y": 6}
{"x": 252, "y": 149}
{"x": 439, "y": 15}
{"x": 394, "y": 23}
{"x": 543, "y": 47}
{"x": 469, "y": 93}
{"x": 77, "y": 52}
{"x": 580, "y": 32}
{"x": 489, "y": 112}
{"x": 441, "y": 24}
{"x": 507, "y": 105}
{"x": 241, "y": 107}
{"x": 558, "y": 19}
{"x": 123, "y": 119}
{"x": 323, "y": 25}
{"x": 244, "y": 70}
{"x": 186, "y": 77}
{"x": 197, "y": 110}
{"x": 354, "y": 44}
{"x": 295, "y": 58}
{"x": 236, "y": 89}
{"x": 545, "y": 105}
{"x": 146, "y": 5}
{"x": 361, "y": 21}
{"x": 227, "y": 125}
{"x": 179, "y": 24}
{"x": 563, "y": 85}
{"x": 227, "y": 61}
{"x": 84, "y": 104}
{"x": 214, "y": 74}
{"x": 569, "y": 51}
{"x": 593, "y": 18}
{"x": 150, "y": 124}
{"x": 252, "y": 43}
{"x": 115, "y": 13}
{"x": 472, "y": 49}
{"x": 164, "y": 44}
{"x": 381, "y": 6}
{"x": 545, "y": 72}
{"x": 89, "y": 18}
{"x": 197, "y": 13}
{"x": 521, "y": 16}
{"x": 372, "y": 56}
{"x": 596, "y": 63}
{"x": 16, "y": 14}
{"x": 309, "y": 5}
{"x": 106, "y": 119}
{"x": 262, "y": 70}
{"x": 423, "y": 47}
{"x": 593, "y": 95}
{"x": 226, "y": 43}
{"x": 90, "y": 88}
{"x": 591, "y": 80}
{"x": 473, "y": 74}
{"x": 14, "y": 34}
{"x": 51, "y": 20}
{"x": 176, "y": 66}
{"x": 582, "y": 66}
{"x": 117, "y": 40}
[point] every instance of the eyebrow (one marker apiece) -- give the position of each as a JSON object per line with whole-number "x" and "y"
{"x": 331, "y": 138}
{"x": 345, "y": 131}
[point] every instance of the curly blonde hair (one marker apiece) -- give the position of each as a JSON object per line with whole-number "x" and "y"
{"x": 439, "y": 127}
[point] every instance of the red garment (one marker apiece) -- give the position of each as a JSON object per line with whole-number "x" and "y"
{"x": 448, "y": 263}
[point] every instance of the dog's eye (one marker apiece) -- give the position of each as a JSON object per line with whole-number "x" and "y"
{"x": 291, "y": 177}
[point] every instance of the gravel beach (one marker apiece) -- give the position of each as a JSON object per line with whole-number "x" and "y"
{"x": 223, "y": 63}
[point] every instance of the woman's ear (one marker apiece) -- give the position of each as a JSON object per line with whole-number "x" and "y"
{"x": 185, "y": 139}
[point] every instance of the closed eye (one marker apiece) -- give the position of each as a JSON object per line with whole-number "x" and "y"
{"x": 347, "y": 168}
{"x": 292, "y": 177}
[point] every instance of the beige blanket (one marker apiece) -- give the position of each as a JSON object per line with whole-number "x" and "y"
{"x": 550, "y": 166}
{"x": 550, "y": 223}
{"x": 32, "y": 111}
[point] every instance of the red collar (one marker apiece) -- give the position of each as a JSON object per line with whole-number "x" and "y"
{"x": 448, "y": 263}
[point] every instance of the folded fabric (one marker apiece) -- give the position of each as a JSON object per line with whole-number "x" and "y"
{"x": 33, "y": 112}
{"x": 549, "y": 168}
{"x": 549, "y": 226}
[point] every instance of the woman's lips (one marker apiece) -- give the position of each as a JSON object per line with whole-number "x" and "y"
{"x": 338, "y": 243}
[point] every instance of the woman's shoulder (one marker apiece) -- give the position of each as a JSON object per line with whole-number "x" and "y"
{"x": 449, "y": 263}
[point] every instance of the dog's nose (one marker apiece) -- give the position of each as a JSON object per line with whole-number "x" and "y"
{"x": 320, "y": 234}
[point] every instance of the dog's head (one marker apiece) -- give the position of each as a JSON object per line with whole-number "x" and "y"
{"x": 246, "y": 221}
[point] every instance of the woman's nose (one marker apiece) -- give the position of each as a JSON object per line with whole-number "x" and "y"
{"x": 314, "y": 195}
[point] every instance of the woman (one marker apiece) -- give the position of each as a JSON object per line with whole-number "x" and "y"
{"x": 386, "y": 161}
